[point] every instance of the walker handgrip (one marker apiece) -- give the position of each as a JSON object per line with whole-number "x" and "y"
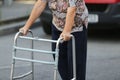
{"x": 21, "y": 32}
{"x": 62, "y": 40}
{"x": 18, "y": 34}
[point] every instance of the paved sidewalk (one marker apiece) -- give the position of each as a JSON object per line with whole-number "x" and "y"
{"x": 16, "y": 10}
{"x": 14, "y": 16}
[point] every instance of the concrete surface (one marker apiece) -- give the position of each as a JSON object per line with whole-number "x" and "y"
{"x": 13, "y": 17}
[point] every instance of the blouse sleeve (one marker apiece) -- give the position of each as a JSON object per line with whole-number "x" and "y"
{"x": 72, "y": 3}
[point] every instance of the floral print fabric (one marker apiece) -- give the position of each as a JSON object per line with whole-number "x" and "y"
{"x": 59, "y": 10}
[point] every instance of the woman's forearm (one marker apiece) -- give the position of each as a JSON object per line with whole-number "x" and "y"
{"x": 70, "y": 19}
{"x": 36, "y": 11}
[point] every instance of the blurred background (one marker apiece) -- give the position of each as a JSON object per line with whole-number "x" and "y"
{"x": 103, "y": 62}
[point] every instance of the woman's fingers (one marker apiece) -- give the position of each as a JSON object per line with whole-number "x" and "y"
{"x": 23, "y": 31}
{"x": 65, "y": 36}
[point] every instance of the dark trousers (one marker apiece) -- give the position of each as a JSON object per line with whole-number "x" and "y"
{"x": 65, "y": 54}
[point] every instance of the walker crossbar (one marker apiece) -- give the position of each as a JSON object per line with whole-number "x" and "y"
{"x": 34, "y": 50}
{"x": 38, "y": 39}
{"x": 37, "y": 61}
{"x": 22, "y": 76}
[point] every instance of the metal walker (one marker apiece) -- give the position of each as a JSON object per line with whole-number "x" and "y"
{"x": 32, "y": 60}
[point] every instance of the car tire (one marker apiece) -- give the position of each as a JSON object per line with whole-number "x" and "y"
{"x": 46, "y": 27}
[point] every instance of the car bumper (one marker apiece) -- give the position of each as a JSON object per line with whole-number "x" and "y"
{"x": 110, "y": 15}
{"x": 103, "y": 18}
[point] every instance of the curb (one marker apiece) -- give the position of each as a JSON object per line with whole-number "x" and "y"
{"x": 14, "y": 27}
{"x": 8, "y": 21}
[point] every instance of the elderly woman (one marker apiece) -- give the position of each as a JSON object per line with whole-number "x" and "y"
{"x": 69, "y": 17}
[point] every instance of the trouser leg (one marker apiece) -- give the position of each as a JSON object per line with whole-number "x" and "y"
{"x": 62, "y": 63}
{"x": 81, "y": 55}
{"x": 65, "y": 55}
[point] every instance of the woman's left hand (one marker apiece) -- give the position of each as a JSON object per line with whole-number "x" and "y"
{"x": 65, "y": 35}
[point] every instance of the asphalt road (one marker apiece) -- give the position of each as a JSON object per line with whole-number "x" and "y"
{"x": 103, "y": 61}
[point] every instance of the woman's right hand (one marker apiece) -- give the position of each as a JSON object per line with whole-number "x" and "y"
{"x": 23, "y": 30}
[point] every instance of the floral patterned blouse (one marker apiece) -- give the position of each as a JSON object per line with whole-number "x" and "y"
{"x": 59, "y": 10}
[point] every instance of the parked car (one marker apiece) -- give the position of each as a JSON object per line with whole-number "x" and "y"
{"x": 100, "y": 12}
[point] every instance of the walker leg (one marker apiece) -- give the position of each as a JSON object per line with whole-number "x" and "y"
{"x": 55, "y": 74}
{"x": 12, "y": 70}
{"x": 32, "y": 69}
{"x": 32, "y": 57}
